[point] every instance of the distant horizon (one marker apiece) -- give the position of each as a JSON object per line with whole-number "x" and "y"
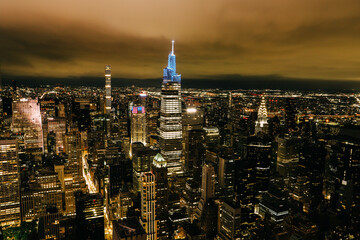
{"x": 225, "y": 82}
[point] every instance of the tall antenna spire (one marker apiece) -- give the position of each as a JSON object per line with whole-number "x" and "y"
{"x": 172, "y": 49}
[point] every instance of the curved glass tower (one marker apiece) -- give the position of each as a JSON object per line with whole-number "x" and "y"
{"x": 170, "y": 129}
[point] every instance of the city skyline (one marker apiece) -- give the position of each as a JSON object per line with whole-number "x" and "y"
{"x": 259, "y": 141}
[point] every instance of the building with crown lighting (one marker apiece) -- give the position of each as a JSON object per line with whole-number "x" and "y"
{"x": 138, "y": 124}
{"x": 261, "y": 124}
{"x": 170, "y": 129}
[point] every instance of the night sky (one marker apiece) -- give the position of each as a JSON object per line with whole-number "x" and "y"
{"x": 219, "y": 40}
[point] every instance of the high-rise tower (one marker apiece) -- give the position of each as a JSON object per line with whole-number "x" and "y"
{"x": 27, "y": 120}
{"x": 170, "y": 129}
{"x": 10, "y": 181}
{"x": 138, "y": 125}
{"x": 148, "y": 205}
{"x": 159, "y": 170}
{"x": 108, "y": 89}
{"x": 207, "y": 187}
{"x": 261, "y": 124}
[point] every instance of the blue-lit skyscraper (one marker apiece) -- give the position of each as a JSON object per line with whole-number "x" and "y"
{"x": 170, "y": 129}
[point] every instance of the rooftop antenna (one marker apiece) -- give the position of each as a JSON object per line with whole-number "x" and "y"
{"x": 172, "y": 49}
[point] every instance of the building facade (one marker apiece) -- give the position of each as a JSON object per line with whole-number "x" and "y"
{"x": 138, "y": 124}
{"x": 26, "y": 120}
{"x": 148, "y": 205}
{"x": 159, "y": 169}
{"x": 9, "y": 183}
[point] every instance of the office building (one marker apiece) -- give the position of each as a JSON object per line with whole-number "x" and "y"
{"x": 290, "y": 114}
{"x": 260, "y": 155}
{"x": 27, "y": 121}
{"x": 207, "y": 187}
{"x": 41, "y": 192}
{"x": 274, "y": 203}
{"x": 49, "y": 224}
{"x": 89, "y": 216}
{"x": 58, "y": 127}
{"x": 288, "y": 154}
{"x": 128, "y": 229}
{"x": 212, "y": 137}
{"x": 226, "y": 174}
{"x": 170, "y": 129}
{"x": 142, "y": 158}
{"x": 193, "y": 118}
{"x": 230, "y": 222}
{"x": 148, "y": 205}
{"x": 138, "y": 125}
{"x": 159, "y": 170}
{"x": 194, "y": 151}
{"x": 9, "y": 183}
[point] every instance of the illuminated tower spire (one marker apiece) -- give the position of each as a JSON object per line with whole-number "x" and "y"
{"x": 261, "y": 125}
{"x": 170, "y": 71}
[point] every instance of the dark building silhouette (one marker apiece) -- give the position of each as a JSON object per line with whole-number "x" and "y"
{"x": 159, "y": 169}
{"x": 120, "y": 176}
{"x": 89, "y": 216}
{"x": 128, "y": 229}
{"x": 194, "y": 152}
{"x": 290, "y": 114}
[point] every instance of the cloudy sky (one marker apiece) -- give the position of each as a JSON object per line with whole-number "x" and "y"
{"x": 315, "y": 39}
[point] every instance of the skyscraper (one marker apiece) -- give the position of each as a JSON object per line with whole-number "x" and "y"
{"x": 148, "y": 195}
{"x": 159, "y": 169}
{"x": 194, "y": 152}
{"x": 27, "y": 121}
{"x": 58, "y": 127}
{"x": 288, "y": 154}
{"x": 107, "y": 89}
{"x": 207, "y": 187}
{"x": 259, "y": 154}
{"x": 10, "y": 183}
{"x": 261, "y": 124}
{"x": 290, "y": 114}
{"x": 138, "y": 125}
{"x": 141, "y": 159}
{"x": 170, "y": 129}
{"x": 230, "y": 221}
{"x": 89, "y": 215}
{"x": 108, "y": 98}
